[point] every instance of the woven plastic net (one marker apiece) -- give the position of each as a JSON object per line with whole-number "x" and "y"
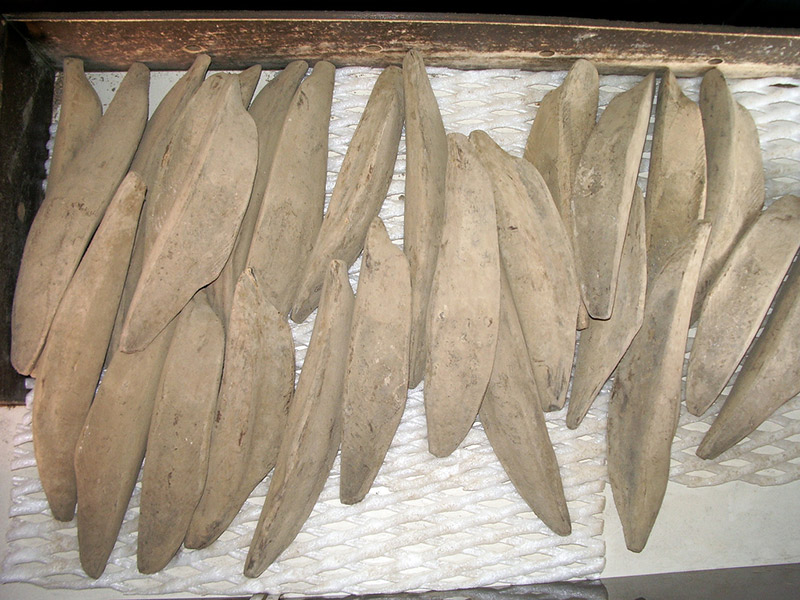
{"x": 430, "y": 523}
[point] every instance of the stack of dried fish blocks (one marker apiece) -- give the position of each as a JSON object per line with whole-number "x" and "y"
{"x": 504, "y": 260}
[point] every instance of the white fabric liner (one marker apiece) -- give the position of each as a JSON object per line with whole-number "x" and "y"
{"x": 428, "y": 523}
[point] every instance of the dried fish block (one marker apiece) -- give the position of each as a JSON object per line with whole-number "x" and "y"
{"x": 248, "y": 81}
{"x": 360, "y": 188}
{"x": 69, "y": 215}
{"x": 72, "y": 360}
{"x": 562, "y": 125}
{"x": 147, "y": 162}
{"x": 81, "y": 110}
{"x": 676, "y": 181}
{"x": 735, "y": 194}
{"x": 111, "y": 448}
{"x": 770, "y": 375}
{"x": 376, "y": 377}
{"x": 603, "y": 192}
{"x": 465, "y": 301}
{"x": 180, "y": 430}
{"x": 268, "y": 110}
{"x": 737, "y": 302}
{"x": 560, "y": 130}
{"x": 537, "y": 258}
{"x": 209, "y": 169}
{"x": 645, "y": 400}
{"x": 603, "y": 343}
{"x": 313, "y": 429}
{"x": 293, "y": 201}
{"x": 256, "y": 378}
{"x": 512, "y": 416}
{"x": 423, "y": 213}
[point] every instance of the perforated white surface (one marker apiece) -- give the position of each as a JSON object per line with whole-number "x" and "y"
{"x": 428, "y": 523}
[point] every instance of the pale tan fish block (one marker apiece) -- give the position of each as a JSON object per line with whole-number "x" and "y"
{"x": 769, "y": 377}
{"x": 603, "y": 191}
{"x": 146, "y": 162}
{"x": 536, "y": 254}
{"x": 560, "y": 130}
{"x": 463, "y": 316}
{"x": 738, "y": 300}
{"x": 376, "y": 376}
{"x": 294, "y": 199}
{"x": 156, "y": 135}
{"x": 69, "y": 215}
{"x": 268, "y": 110}
{"x": 273, "y": 407}
{"x": 255, "y": 378}
{"x": 360, "y": 188}
{"x": 676, "y": 180}
{"x": 558, "y": 136}
{"x": 513, "y": 419}
{"x": 423, "y": 215}
{"x": 248, "y": 81}
{"x": 156, "y": 148}
{"x": 645, "y": 400}
{"x": 209, "y": 168}
{"x": 735, "y": 185}
{"x": 603, "y": 343}
{"x": 313, "y": 430}
{"x": 72, "y": 360}
{"x": 174, "y": 473}
{"x": 81, "y": 110}
{"x": 111, "y": 448}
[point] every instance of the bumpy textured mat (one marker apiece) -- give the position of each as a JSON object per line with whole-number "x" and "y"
{"x": 428, "y": 523}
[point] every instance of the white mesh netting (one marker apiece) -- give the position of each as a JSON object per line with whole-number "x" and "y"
{"x": 429, "y": 523}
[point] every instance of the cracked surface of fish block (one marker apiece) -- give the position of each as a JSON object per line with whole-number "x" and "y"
{"x": 645, "y": 400}
{"x": 603, "y": 192}
{"x": 313, "y": 429}
{"x": 423, "y": 209}
{"x": 513, "y": 419}
{"x": 69, "y": 215}
{"x": 739, "y": 299}
{"x": 360, "y": 188}
{"x": 465, "y": 301}
{"x": 376, "y": 376}
{"x": 72, "y": 360}
{"x": 174, "y": 473}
